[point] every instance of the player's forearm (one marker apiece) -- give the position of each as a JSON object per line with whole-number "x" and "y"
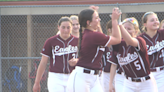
{"x": 116, "y": 34}
{"x": 40, "y": 70}
{"x": 112, "y": 73}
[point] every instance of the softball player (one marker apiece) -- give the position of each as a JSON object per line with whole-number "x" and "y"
{"x": 85, "y": 77}
{"x": 75, "y": 25}
{"x": 104, "y": 78}
{"x": 161, "y": 25}
{"x": 59, "y": 49}
{"x": 131, "y": 55}
{"x": 154, "y": 41}
{"x": 106, "y": 70}
{"x": 119, "y": 79}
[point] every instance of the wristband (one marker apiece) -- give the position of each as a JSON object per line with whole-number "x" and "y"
{"x": 120, "y": 23}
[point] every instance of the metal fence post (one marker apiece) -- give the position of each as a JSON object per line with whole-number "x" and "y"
{"x": 0, "y": 56}
{"x": 29, "y": 49}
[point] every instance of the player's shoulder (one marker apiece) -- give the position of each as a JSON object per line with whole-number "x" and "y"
{"x": 139, "y": 38}
{"x": 52, "y": 38}
{"x": 99, "y": 36}
{"x": 161, "y": 32}
{"x": 94, "y": 33}
{"x": 99, "y": 33}
{"x": 142, "y": 35}
{"x": 74, "y": 37}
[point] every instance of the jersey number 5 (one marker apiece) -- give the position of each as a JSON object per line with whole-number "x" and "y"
{"x": 138, "y": 66}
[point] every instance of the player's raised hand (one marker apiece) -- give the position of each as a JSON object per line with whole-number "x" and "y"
{"x": 116, "y": 13}
{"x": 73, "y": 61}
{"x": 119, "y": 19}
{"x": 36, "y": 87}
{"x": 94, "y": 7}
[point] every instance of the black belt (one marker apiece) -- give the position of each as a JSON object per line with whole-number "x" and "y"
{"x": 89, "y": 71}
{"x": 138, "y": 79}
{"x": 119, "y": 72}
{"x": 155, "y": 69}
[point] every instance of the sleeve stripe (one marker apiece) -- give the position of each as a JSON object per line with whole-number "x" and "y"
{"x": 138, "y": 46}
{"x": 107, "y": 42}
{"x": 45, "y": 55}
{"x": 112, "y": 62}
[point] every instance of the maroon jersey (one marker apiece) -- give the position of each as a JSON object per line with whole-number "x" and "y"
{"x": 133, "y": 60}
{"x": 155, "y": 48}
{"x": 60, "y": 51}
{"x": 105, "y": 59}
{"x": 92, "y": 47}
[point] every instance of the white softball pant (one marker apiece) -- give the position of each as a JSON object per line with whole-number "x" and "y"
{"x": 83, "y": 82}
{"x": 119, "y": 82}
{"x": 144, "y": 86}
{"x": 105, "y": 78}
{"x": 159, "y": 77}
{"x": 57, "y": 82}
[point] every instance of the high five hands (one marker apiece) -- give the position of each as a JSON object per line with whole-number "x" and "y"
{"x": 116, "y": 13}
{"x": 94, "y": 7}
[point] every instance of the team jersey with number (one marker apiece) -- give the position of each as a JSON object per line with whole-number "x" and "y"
{"x": 155, "y": 48}
{"x": 60, "y": 52}
{"x": 105, "y": 59}
{"x": 92, "y": 48}
{"x": 133, "y": 60}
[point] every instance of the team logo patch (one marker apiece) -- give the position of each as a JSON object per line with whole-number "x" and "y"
{"x": 153, "y": 49}
{"x": 61, "y": 51}
{"x": 129, "y": 58}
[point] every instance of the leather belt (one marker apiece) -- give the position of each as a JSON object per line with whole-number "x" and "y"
{"x": 156, "y": 69}
{"x": 90, "y": 71}
{"x": 138, "y": 79}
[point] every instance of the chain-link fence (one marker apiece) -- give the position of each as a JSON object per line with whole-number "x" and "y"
{"x": 23, "y": 36}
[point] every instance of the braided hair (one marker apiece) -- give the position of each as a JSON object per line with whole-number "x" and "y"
{"x": 84, "y": 16}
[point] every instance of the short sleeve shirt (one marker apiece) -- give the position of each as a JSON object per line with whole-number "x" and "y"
{"x": 92, "y": 48}
{"x": 133, "y": 61}
{"x": 60, "y": 52}
{"x": 106, "y": 59}
{"x": 155, "y": 48}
